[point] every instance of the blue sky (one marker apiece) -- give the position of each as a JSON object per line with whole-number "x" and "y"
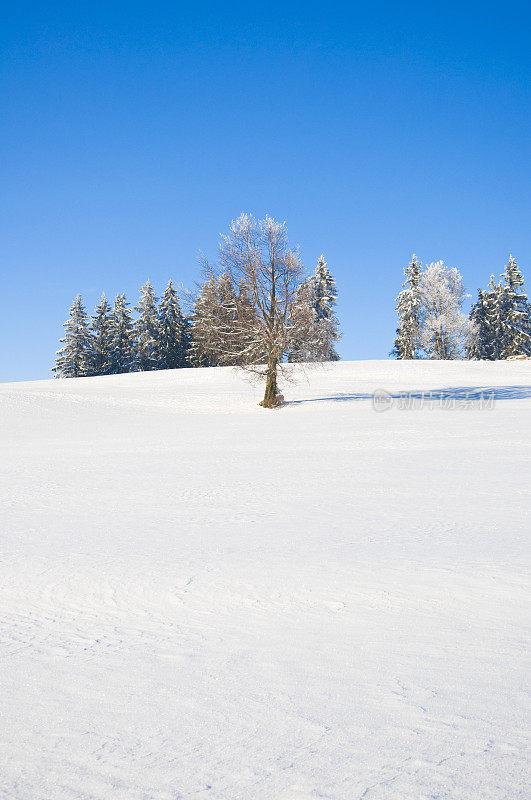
{"x": 132, "y": 133}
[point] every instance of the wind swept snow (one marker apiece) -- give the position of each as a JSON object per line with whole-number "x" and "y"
{"x": 204, "y": 599}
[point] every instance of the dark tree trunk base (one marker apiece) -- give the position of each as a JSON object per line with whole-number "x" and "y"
{"x": 271, "y": 397}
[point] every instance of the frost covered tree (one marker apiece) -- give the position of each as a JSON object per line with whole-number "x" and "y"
{"x": 409, "y": 305}
{"x": 323, "y": 299}
{"x": 324, "y": 289}
{"x": 501, "y": 318}
{"x": 221, "y": 323}
{"x": 495, "y": 302}
{"x": 122, "y": 337}
{"x": 74, "y": 358}
{"x": 445, "y": 330}
{"x": 101, "y": 330}
{"x": 205, "y": 344}
{"x": 147, "y": 330}
{"x": 257, "y": 256}
{"x": 312, "y": 337}
{"x": 172, "y": 332}
{"x": 515, "y": 323}
{"x": 481, "y": 341}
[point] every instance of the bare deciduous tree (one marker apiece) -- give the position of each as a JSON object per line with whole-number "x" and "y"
{"x": 257, "y": 254}
{"x": 272, "y": 312}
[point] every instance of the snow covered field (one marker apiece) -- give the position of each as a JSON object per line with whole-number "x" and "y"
{"x": 204, "y": 599}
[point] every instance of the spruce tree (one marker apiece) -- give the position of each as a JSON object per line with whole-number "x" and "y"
{"x": 229, "y": 331}
{"x": 221, "y": 325}
{"x": 122, "y": 337}
{"x": 172, "y": 331}
{"x": 409, "y": 310}
{"x": 101, "y": 329}
{"x": 250, "y": 345}
{"x": 495, "y": 307}
{"x": 515, "y": 327}
{"x": 147, "y": 330}
{"x": 481, "y": 344}
{"x": 324, "y": 293}
{"x": 203, "y": 342}
{"x": 74, "y": 358}
{"x": 312, "y": 337}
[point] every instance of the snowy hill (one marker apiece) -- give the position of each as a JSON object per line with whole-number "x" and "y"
{"x": 201, "y": 598}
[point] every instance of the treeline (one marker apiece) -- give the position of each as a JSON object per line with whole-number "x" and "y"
{"x": 432, "y": 324}
{"x": 161, "y": 336}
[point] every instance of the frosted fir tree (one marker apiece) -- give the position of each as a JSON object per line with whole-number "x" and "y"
{"x": 122, "y": 337}
{"x": 101, "y": 331}
{"x": 74, "y": 358}
{"x": 481, "y": 344}
{"x": 172, "y": 331}
{"x": 515, "y": 321}
{"x": 445, "y": 331}
{"x": 409, "y": 305}
{"x": 495, "y": 306}
{"x": 147, "y": 330}
{"x": 221, "y": 323}
{"x": 324, "y": 298}
{"x": 311, "y": 336}
{"x": 204, "y": 345}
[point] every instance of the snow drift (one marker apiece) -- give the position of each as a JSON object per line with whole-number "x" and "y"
{"x": 201, "y": 598}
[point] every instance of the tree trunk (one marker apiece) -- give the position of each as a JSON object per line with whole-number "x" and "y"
{"x": 271, "y": 398}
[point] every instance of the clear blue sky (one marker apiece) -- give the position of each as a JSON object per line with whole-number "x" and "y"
{"x": 132, "y": 133}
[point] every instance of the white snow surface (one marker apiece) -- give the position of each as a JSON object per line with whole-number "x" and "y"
{"x": 204, "y": 599}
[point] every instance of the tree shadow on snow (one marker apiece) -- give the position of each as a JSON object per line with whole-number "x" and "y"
{"x": 464, "y": 393}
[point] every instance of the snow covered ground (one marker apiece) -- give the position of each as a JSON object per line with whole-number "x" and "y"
{"x": 204, "y": 599}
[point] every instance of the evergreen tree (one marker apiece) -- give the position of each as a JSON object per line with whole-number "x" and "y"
{"x": 204, "y": 347}
{"x": 480, "y": 345}
{"x": 147, "y": 331}
{"x": 495, "y": 308}
{"x": 250, "y": 345}
{"x": 311, "y": 336}
{"x": 515, "y": 323}
{"x": 234, "y": 317}
{"x": 172, "y": 331}
{"x": 101, "y": 361}
{"x": 409, "y": 309}
{"x": 74, "y": 358}
{"x": 223, "y": 325}
{"x": 324, "y": 293}
{"x": 122, "y": 337}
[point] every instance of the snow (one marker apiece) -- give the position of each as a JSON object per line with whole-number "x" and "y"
{"x": 201, "y": 598}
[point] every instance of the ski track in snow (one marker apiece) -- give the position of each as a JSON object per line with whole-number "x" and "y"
{"x": 203, "y": 599}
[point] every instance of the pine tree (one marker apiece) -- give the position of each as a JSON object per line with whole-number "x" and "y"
{"x": 516, "y": 329}
{"x": 172, "y": 331}
{"x": 323, "y": 288}
{"x": 222, "y": 324}
{"x": 481, "y": 344}
{"x": 147, "y": 330}
{"x": 409, "y": 310}
{"x": 311, "y": 337}
{"x": 204, "y": 347}
{"x": 323, "y": 294}
{"x": 73, "y": 359}
{"x": 101, "y": 361}
{"x": 246, "y": 325}
{"x": 495, "y": 308}
{"x": 122, "y": 337}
